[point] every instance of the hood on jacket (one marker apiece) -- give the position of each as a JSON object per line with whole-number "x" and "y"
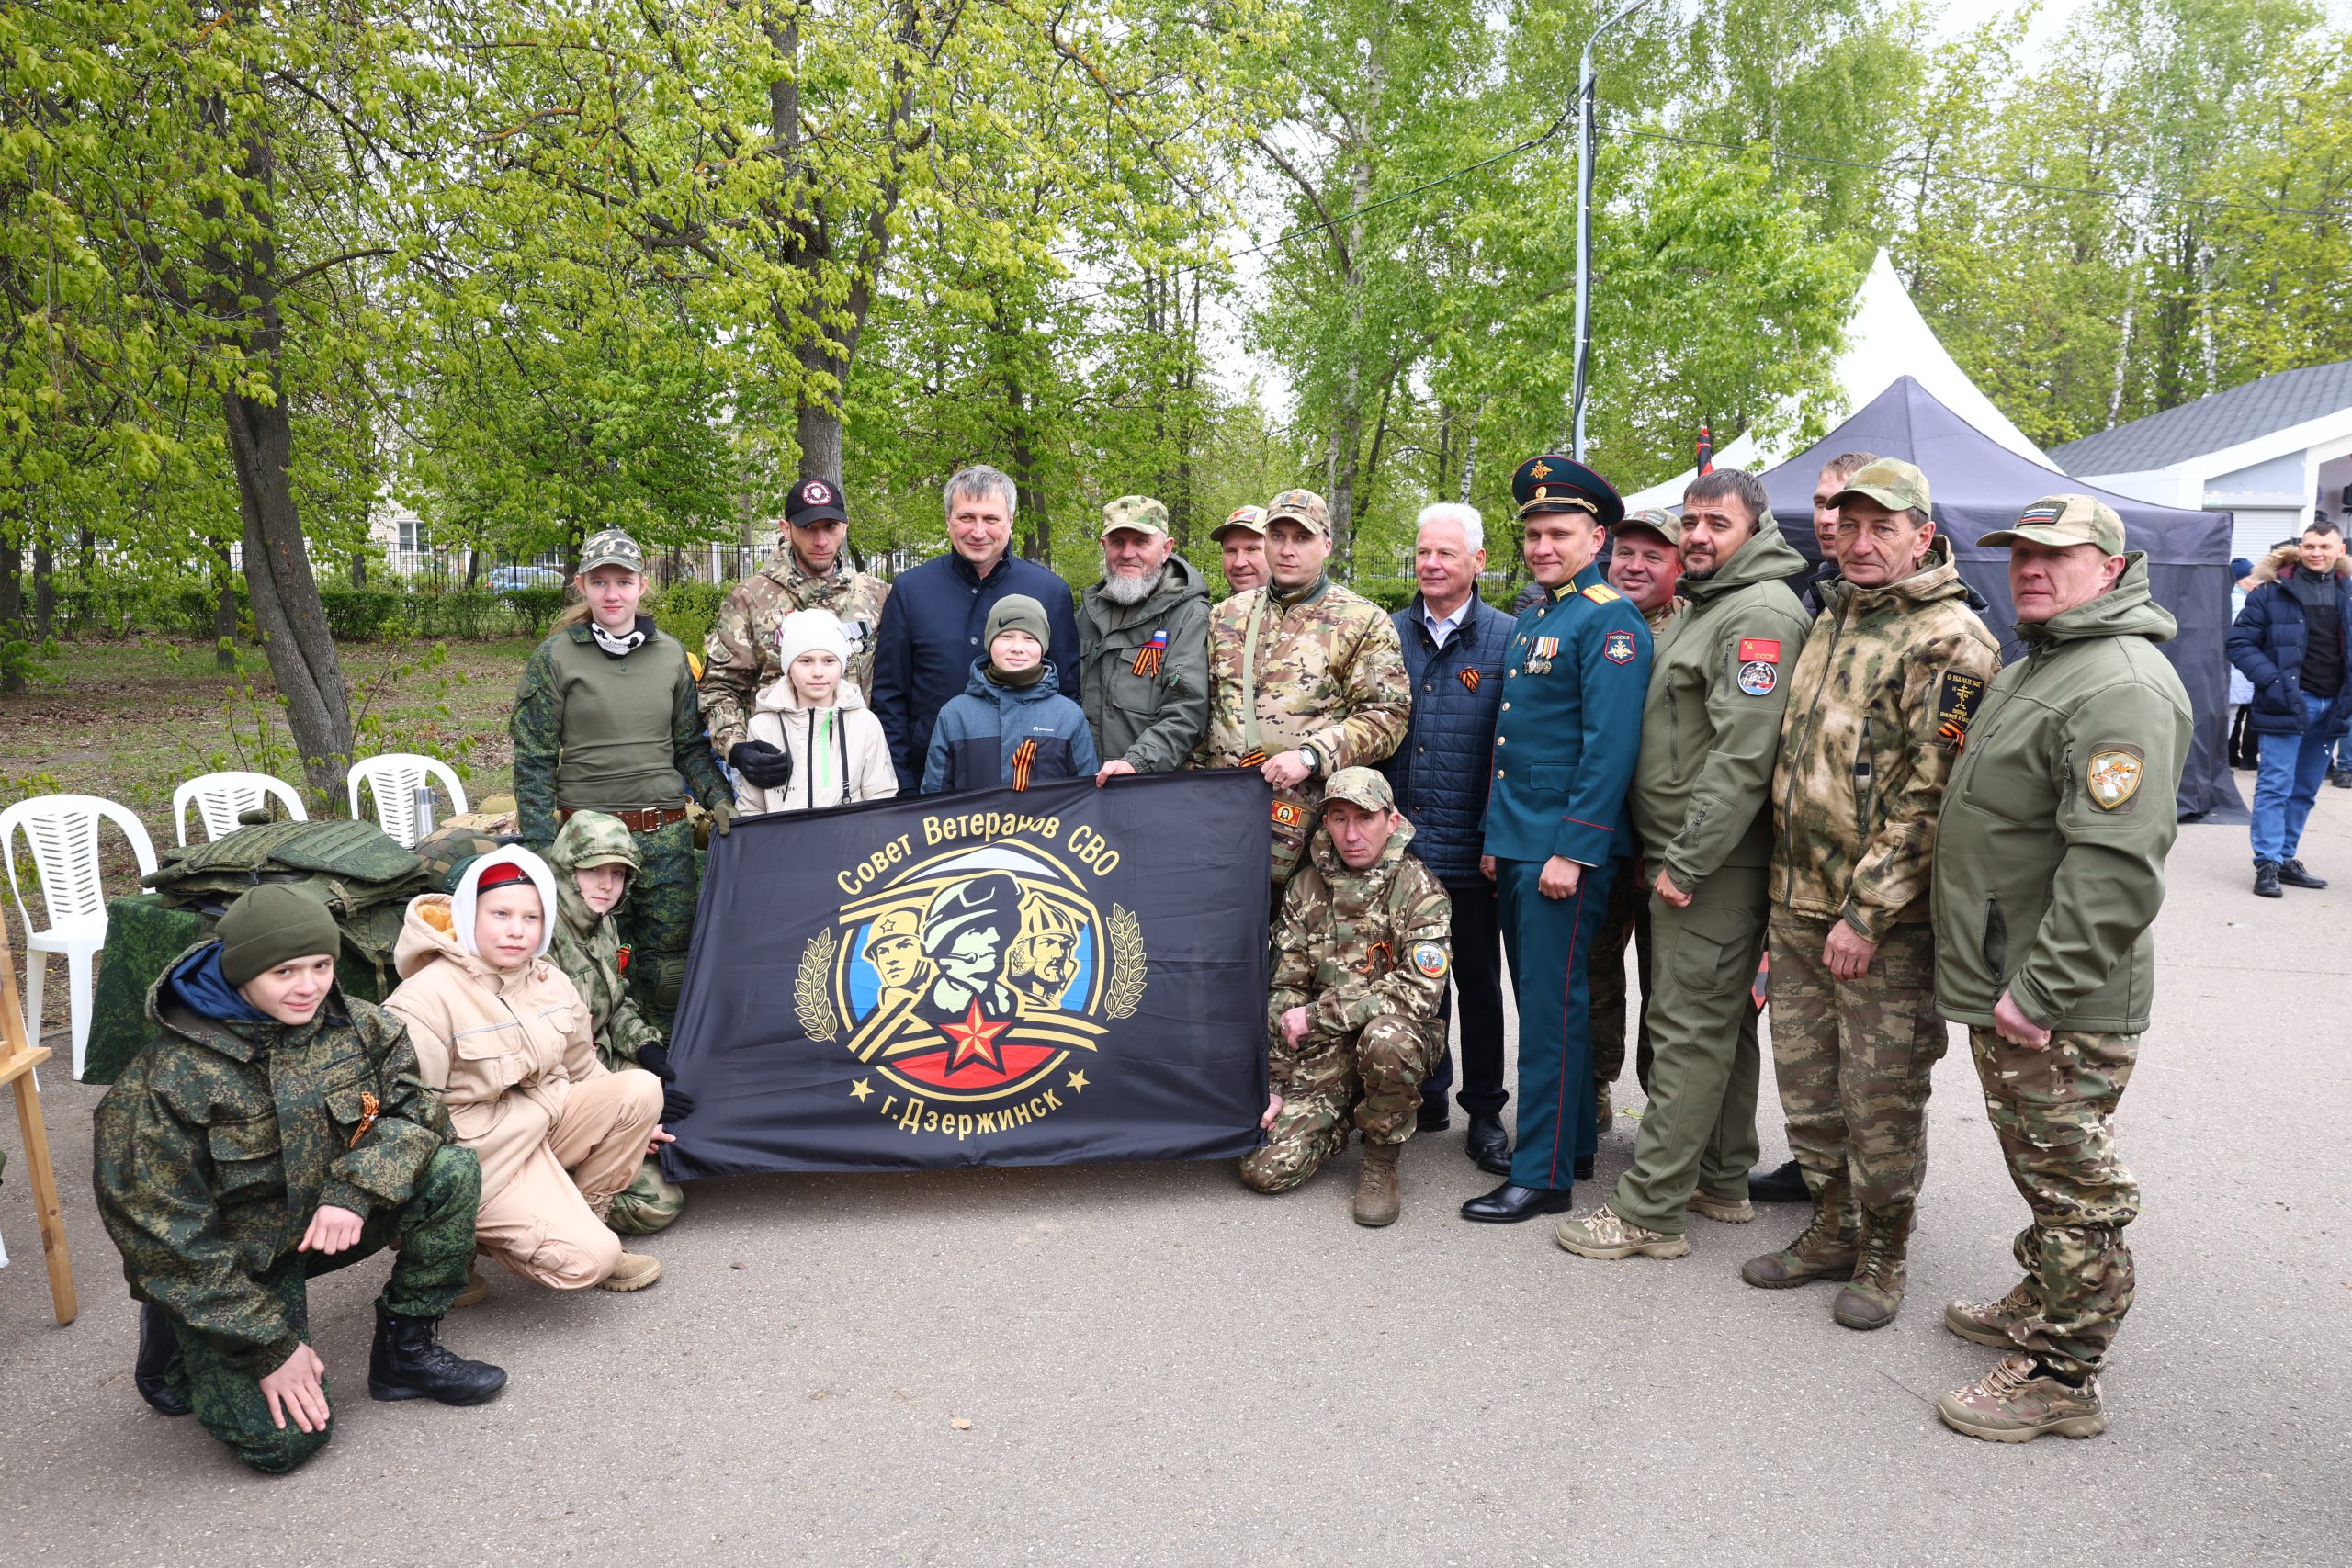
{"x": 1326, "y": 853}
{"x": 591, "y": 838}
{"x": 199, "y": 983}
{"x": 1767, "y": 556}
{"x": 1180, "y": 580}
{"x": 441, "y": 925}
{"x": 2128, "y": 609}
{"x": 240, "y": 1036}
{"x": 2283, "y": 560}
{"x": 777, "y": 696}
{"x": 1938, "y": 578}
{"x": 1048, "y": 685}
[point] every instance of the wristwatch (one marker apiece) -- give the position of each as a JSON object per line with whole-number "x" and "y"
{"x": 1314, "y": 759}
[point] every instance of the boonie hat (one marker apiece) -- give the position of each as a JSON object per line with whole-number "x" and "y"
{"x": 2060, "y": 521}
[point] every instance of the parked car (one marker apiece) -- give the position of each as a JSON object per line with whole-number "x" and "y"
{"x": 507, "y": 579}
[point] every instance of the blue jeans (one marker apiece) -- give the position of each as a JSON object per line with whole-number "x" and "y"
{"x": 2292, "y": 767}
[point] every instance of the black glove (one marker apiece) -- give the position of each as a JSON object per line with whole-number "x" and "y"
{"x": 655, "y": 1059}
{"x": 765, "y": 765}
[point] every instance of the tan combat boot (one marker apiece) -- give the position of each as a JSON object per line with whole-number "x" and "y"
{"x": 1824, "y": 1250}
{"x": 477, "y": 1288}
{"x": 2018, "y": 1401}
{"x": 1378, "y": 1196}
{"x": 633, "y": 1272}
{"x": 1989, "y": 1324}
{"x": 1870, "y": 1302}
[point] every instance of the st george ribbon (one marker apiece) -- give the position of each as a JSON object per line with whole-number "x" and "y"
{"x": 1044, "y": 976}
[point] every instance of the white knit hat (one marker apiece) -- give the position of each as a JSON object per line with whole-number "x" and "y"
{"x": 468, "y": 892}
{"x": 811, "y": 631}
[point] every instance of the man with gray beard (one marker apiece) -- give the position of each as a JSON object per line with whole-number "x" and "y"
{"x": 1143, "y": 639}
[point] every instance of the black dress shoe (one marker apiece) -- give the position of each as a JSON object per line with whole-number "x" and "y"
{"x": 2341, "y": 778}
{"x": 157, "y": 1345}
{"x": 1488, "y": 1144}
{"x": 2292, "y": 873}
{"x": 2266, "y": 879}
{"x": 1432, "y": 1118}
{"x": 1786, "y": 1185}
{"x": 1584, "y": 1168}
{"x": 1509, "y": 1203}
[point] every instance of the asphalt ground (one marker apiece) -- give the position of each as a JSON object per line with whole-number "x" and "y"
{"x": 1157, "y": 1366}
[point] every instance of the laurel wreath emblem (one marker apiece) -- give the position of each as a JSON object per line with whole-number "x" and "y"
{"x": 1127, "y": 964}
{"x": 809, "y": 994}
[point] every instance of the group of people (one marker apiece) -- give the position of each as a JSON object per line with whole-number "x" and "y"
{"x": 1689, "y": 742}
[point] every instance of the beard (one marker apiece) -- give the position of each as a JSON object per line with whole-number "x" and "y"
{"x": 1126, "y": 591}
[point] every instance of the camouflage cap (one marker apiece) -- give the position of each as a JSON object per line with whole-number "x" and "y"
{"x": 1301, "y": 506}
{"x": 1244, "y": 519}
{"x": 1892, "y": 483}
{"x": 610, "y": 547}
{"x": 1140, "y": 513}
{"x": 1659, "y": 521}
{"x": 2059, "y": 520}
{"x": 1359, "y": 786}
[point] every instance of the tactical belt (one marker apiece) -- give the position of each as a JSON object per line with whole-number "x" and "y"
{"x": 638, "y": 819}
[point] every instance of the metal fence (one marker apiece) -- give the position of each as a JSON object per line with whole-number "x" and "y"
{"x": 458, "y": 567}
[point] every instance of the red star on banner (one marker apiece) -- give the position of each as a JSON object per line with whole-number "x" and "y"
{"x": 975, "y": 1038}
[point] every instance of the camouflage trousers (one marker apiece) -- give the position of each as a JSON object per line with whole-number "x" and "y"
{"x": 1374, "y": 1077}
{"x": 1854, "y": 1057}
{"x": 648, "y": 1204}
{"x": 2053, "y": 1111}
{"x": 1627, "y": 921}
{"x": 434, "y": 1232}
{"x": 658, "y": 922}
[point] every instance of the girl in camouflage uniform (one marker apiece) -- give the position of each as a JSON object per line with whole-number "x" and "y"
{"x": 594, "y": 859}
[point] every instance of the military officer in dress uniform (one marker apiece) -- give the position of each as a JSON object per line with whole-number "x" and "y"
{"x": 1566, "y": 741}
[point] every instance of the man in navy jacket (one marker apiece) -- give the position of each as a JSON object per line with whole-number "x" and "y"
{"x": 2294, "y": 644}
{"x": 932, "y": 622}
{"x": 1455, "y": 647}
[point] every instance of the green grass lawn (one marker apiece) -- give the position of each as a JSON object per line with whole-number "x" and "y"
{"x": 132, "y": 720}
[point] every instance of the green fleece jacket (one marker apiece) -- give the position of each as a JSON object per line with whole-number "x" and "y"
{"x": 2050, "y": 858}
{"x": 1710, "y": 724}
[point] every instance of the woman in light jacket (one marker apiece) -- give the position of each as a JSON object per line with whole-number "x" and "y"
{"x": 502, "y": 1033}
{"x": 820, "y": 721}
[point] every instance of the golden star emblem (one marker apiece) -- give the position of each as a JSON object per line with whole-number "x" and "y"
{"x": 861, "y": 1088}
{"x": 1077, "y": 1082}
{"x": 975, "y": 1039}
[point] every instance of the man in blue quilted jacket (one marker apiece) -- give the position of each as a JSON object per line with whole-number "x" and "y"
{"x": 1455, "y": 647}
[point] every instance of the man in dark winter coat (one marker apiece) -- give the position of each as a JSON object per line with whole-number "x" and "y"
{"x": 2294, "y": 643}
{"x": 1455, "y": 647}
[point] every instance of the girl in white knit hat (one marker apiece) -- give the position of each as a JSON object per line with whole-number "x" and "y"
{"x": 820, "y": 720}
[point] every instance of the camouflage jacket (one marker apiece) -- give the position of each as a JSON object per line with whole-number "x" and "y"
{"x": 1878, "y": 702}
{"x": 1351, "y": 946}
{"x": 739, "y": 655}
{"x": 221, "y": 1140}
{"x": 1329, "y": 670}
{"x": 587, "y": 945}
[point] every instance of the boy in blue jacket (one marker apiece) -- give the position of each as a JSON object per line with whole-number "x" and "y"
{"x": 1012, "y": 724}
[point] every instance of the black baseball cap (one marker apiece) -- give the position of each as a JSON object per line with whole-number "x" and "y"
{"x": 812, "y": 501}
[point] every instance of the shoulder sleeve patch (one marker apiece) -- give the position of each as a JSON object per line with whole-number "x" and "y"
{"x": 1764, "y": 650}
{"x": 1429, "y": 959}
{"x": 2113, "y": 775}
{"x": 1957, "y": 696}
{"x": 1601, "y": 594}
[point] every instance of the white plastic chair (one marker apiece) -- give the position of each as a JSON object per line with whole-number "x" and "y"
{"x": 393, "y": 778}
{"x": 62, "y": 832}
{"x": 220, "y": 799}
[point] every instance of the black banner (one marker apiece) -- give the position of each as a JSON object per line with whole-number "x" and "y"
{"x": 993, "y": 977}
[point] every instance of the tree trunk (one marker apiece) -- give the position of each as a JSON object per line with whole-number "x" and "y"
{"x": 224, "y": 606}
{"x": 241, "y": 287}
{"x": 14, "y": 651}
{"x": 44, "y": 589}
{"x": 820, "y": 431}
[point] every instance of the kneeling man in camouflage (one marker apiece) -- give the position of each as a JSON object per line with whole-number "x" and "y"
{"x": 1361, "y": 948}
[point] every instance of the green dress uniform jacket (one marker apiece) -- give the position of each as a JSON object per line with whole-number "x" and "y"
{"x": 1146, "y": 708}
{"x": 1711, "y": 727}
{"x": 2049, "y": 861}
{"x": 221, "y": 1140}
{"x": 1564, "y": 743}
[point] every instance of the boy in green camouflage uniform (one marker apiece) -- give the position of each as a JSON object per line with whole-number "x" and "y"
{"x": 2049, "y": 871}
{"x": 587, "y": 947}
{"x": 271, "y": 1130}
{"x": 1879, "y": 703}
{"x": 1323, "y": 665}
{"x": 1361, "y": 948}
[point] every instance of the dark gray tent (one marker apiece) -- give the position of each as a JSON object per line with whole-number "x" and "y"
{"x": 1980, "y": 485}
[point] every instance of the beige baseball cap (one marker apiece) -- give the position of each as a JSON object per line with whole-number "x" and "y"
{"x": 1361, "y": 787}
{"x": 1892, "y": 483}
{"x": 2060, "y": 521}
{"x": 1244, "y": 519}
{"x": 1301, "y": 506}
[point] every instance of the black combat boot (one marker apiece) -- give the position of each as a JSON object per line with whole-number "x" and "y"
{"x": 158, "y": 1343}
{"x": 409, "y": 1362}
